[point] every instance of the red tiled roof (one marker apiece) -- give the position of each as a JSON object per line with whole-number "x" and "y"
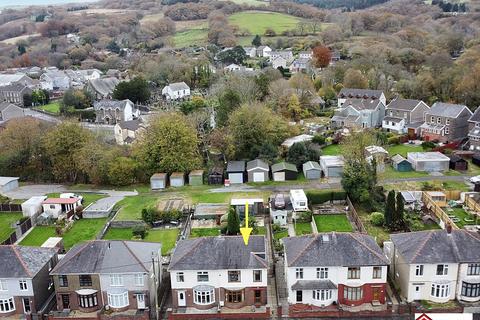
{"x": 60, "y": 201}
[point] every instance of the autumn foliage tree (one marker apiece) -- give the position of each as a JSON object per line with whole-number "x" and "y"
{"x": 321, "y": 56}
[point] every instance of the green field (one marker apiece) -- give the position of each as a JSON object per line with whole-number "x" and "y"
{"x": 167, "y": 237}
{"x": 256, "y": 22}
{"x": 196, "y": 35}
{"x": 462, "y": 215}
{"x": 52, "y": 107}
{"x": 391, "y": 173}
{"x": 204, "y": 232}
{"x": 82, "y": 230}
{"x": 6, "y": 219}
{"x": 131, "y": 207}
{"x": 302, "y": 228}
{"x": 332, "y": 222}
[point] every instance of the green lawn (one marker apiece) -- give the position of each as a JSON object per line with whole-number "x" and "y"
{"x": 256, "y": 22}
{"x": 379, "y": 233}
{"x": 6, "y": 219}
{"x": 204, "y": 232}
{"x": 167, "y": 237}
{"x": 260, "y": 231}
{"x": 332, "y": 222}
{"x": 280, "y": 234}
{"x": 131, "y": 207}
{"x": 52, "y": 107}
{"x": 402, "y": 149}
{"x": 462, "y": 215}
{"x": 82, "y": 230}
{"x": 88, "y": 197}
{"x": 302, "y": 228}
{"x": 391, "y": 173}
{"x": 203, "y": 196}
{"x": 331, "y": 150}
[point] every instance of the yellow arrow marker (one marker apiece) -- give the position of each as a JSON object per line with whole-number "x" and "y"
{"x": 246, "y": 231}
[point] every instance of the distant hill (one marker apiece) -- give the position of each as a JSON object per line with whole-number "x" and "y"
{"x": 349, "y": 4}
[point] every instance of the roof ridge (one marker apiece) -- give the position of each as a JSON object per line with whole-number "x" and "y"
{"x": 63, "y": 261}
{"x": 134, "y": 255}
{"x": 17, "y": 254}
{"x": 365, "y": 245}
{"x": 262, "y": 261}
{"x": 304, "y": 249}
{"x": 420, "y": 247}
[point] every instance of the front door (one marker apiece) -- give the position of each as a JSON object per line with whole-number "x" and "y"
{"x": 182, "y": 301}
{"x": 141, "y": 301}
{"x": 376, "y": 294}
{"x": 26, "y": 305}
{"x": 416, "y": 293}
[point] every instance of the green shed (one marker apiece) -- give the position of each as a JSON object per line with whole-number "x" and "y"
{"x": 401, "y": 164}
{"x": 195, "y": 178}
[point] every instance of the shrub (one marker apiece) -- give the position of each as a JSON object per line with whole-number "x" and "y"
{"x": 170, "y": 215}
{"x": 305, "y": 217}
{"x": 428, "y": 145}
{"x": 139, "y": 231}
{"x": 393, "y": 140}
{"x": 377, "y": 219}
{"x": 321, "y": 196}
{"x": 149, "y": 215}
{"x": 318, "y": 139}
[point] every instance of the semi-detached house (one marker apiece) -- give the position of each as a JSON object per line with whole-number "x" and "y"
{"x": 405, "y": 116}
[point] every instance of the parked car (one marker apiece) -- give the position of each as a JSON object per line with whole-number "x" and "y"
{"x": 475, "y": 179}
{"x": 279, "y": 201}
{"x": 68, "y": 195}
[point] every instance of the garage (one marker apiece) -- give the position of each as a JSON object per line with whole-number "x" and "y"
{"x": 279, "y": 176}
{"x": 258, "y": 171}
{"x": 235, "y": 177}
{"x": 235, "y": 171}
{"x": 8, "y": 184}
{"x": 258, "y": 177}
{"x": 283, "y": 171}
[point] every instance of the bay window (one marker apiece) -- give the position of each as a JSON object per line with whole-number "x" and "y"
{"x": 322, "y": 295}
{"x": 440, "y": 290}
{"x": 204, "y": 296}
{"x": 353, "y": 293}
{"x": 7, "y": 305}
{"x": 118, "y": 300}
{"x": 234, "y": 296}
{"x": 470, "y": 290}
{"x": 88, "y": 300}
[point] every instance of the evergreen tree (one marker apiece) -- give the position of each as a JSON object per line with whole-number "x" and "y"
{"x": 233, "y": 222}
{"x": 257, "y": 41}
{"x": 390, "y": 209}
{"x": 399, "y": 219}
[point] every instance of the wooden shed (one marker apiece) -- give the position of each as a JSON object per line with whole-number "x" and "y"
{"x": 458, "y": 163}
{"x": 195, "y": 178}
{"x": 401, "y": 164}
{"x": 158, "y": 181}
{"x": 215, "y": 175}
{"x": 177, "y": 179}
{"x": 284, "y": 171}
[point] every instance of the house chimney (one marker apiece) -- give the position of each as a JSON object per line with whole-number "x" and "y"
{"x": 448, "y": 228}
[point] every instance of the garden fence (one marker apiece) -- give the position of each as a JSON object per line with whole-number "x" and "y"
{"x": 435, "y": 208}
{"x": 10, "y": 207}
{"x": 18, "y": 232}
{"x": 352, "y": 212}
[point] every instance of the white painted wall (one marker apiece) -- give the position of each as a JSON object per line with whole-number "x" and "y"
{"x": 13, "y": 288}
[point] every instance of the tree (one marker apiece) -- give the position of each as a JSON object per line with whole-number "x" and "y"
{"x": 269, "y": 32}
{"x": 235, "y": 55}
{"x": 135, "y": 90}
{"x": 294, "y": 108}
{"x": 257, "y": 41}
{"x": 233, "y": 222}
{"x": 227, "y": 103}
{"x": 169, "y": 144}
{"x": 321, "y": 56}
{"x": 301, "y": 152}
{"x": 399, "y": 221}
{"x": 121, "y": 171}
{"x": 355, "y": 79}
{"x": 76, "y": 99}
{"x": 390, "y": 210}
{"x": 113, "y": 47}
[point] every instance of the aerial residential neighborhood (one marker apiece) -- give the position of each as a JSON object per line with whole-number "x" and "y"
{"x": 239, "y": 159}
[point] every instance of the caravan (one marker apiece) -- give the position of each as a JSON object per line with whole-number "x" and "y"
{"x": 299, "y": 200}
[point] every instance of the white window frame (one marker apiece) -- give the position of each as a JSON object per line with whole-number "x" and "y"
{"x": 257, "y": 272}
{"x": 322, "y": 273}
{"x": 419, "y": 270}
{"x": 118, "y": 300}
{"x": 299, "y": 273}
{"x": 139, "y": 279}
{"x": 204, "y": 297}
{"x": 3, "y": 285}
{"x": 440, "y": 290}
{"x": 322, "y": 294}
{"x": 23, "y": 285}
{"x": 377, "y": 272}
{"x": 116, "y": 280}
{"x": 7, "y": 305}
{"x": 353, "y": 293}
{"x": 180, "y": 277}
{"x": 447, "y": 121}
{"x": 447, "y": 130}
{"x": 202, "y": 273}
{"x": 444, "y": 270}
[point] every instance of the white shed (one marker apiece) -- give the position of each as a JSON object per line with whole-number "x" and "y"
{"x": 429, "y": 161}
{"x": 177, "y": 179}
{"x": 33, "y": 206}
{"x": 8, "y": 184}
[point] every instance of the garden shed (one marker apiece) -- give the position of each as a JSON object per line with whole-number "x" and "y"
{"x": 8, "y": 184}
{"x": 215, "y": 175}
{"x": 33, "y": 206}
{"x": 312, "y": 170}
{"x": 332, "y": 166}
{"x": 236, "y": 171}
{"x": 429, "y": 161}
{"x": 177, "y": 179}
{"x": 158, "y": 181}
{"x": 401, "y": 164}
{"x": 195, "y": 178}
{"x": 257, "y": 171}
{"x": 284, "y": 171}
{"x": 458, "y": 163}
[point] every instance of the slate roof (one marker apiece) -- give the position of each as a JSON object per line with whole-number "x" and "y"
{"x": 131, "y": 125}
{"x": 333, "y": 249}
{"x": 4, "y": 105}
{"x": 104, "y": 86}
{"x": 313, "y": 285}
{"x": 403, "y": 104}
{"x": 177, "y": 86}
{"x": 23, "y": 262}
{"x": 362, "y": 104}
{"x": 456, "y": 158}
{"x": 108, "y": 256}
{"x": 398, "y": 158}
{"x": 110, "y": 104}
{"x": 14, "y": 87}
{"x": 475, "y": 116}
{"x": 6, "y": 79}
{"x": 360, "y": 93}
{"x": 393, "y": 119}
{"x": 284, "y": 166}
{"x": 309, "y": 165}
{"x": 235, "y": 166}
{"x": 219, "y": 253}
{"x": 437, "y": 246}
{"x": 447, "y": 109}
{"x": 257, "y": 163}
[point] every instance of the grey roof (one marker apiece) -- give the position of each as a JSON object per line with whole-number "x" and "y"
{"x": 309, "y": 165}
{"x": 108, "y": 256}
{"x": 398, "y": 158}
{"x": 131, "y": 125}
{"x": 313, "y": 285}
{"x": 14, "y": 87}
{"x": 475, "y": 116}
{"x": 236, "y": 166}
{"x": 11, "y": 78}
{"x": 158, "y": 176}
{"x": 393, "y": 119}
{"x": 219, "y": 253}
{"x": 447, "y": 109}
{"x": 257, "y": 163}
{"x": 403, "y": 104}
{"x": 104, "y": 86}
{"x": 4, "y": 105}
{"x": 284, "y": 166}
{"x": 437, "y": 246}
{"x": 333, "y": 249}
{"x": 427, "y": 156}
{"x": 23, "y": 262}
{"x": 362, "y": 104}
{"x": 360, "y": 93}
{"x": 5, "y": 180}
{"x": 177, "y": 86}
{"x": 110, "y": 104}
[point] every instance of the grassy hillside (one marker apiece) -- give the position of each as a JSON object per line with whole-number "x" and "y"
{"x": 258, "y": 21}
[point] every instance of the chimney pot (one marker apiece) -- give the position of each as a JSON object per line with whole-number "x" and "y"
{"x": 449, "y": 228}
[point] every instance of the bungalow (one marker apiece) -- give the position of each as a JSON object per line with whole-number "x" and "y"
{"x": 312, "y": 170}
{"x": 429, "y": 161}
{"x": 102, "y": 88}
{"x": 33, "y": 206}
{"x": 257, "y": 171}
{"x": 283, "y": 171}
{"x": 56, "y": 80}
{"x": 255, "y": 206}
{"x": 458, "y": 163}
{"x": 212, "y": 278}
{"x": 362, "y": 94}
{"x": 114, "y": 111}
{"x": 10, "y": 111}
{"x": 236, "y": 171}
{"x": 233, "y": 67}
{"x": 343, "y": 269}
{"x": 176, "y": 91}
{"x": 401, "y": 164}
{"x": 332, "y": 166}
{"x": 158, "y": 181}
{"x": 436, "y": 265}
{"x": 55, "y": 207}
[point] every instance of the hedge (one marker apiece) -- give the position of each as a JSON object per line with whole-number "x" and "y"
{"x": 321, "y": 196}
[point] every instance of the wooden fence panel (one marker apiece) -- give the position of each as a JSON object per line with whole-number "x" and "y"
{"x": 10, "y": 207}
{"x": 437, "y": 210}
{"x": 355, "y": 217}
